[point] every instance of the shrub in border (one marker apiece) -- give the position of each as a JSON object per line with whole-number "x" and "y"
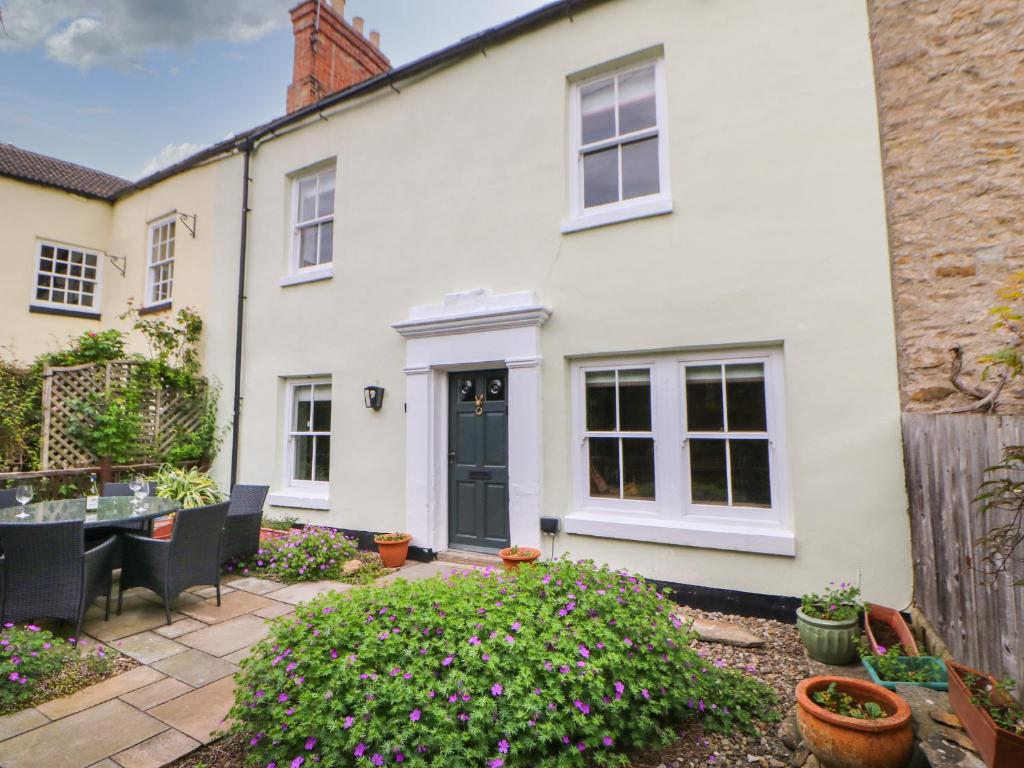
{"x": 557, "y": 664}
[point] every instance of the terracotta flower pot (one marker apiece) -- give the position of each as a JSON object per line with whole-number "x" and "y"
{"x": 273, "y": 533}
{"x": 831, "y": 642}
{"x": 998, "y": 747}
{"x": 879, "y": 614}
{"x": 848, "y": 742}
{"x": 511, "y": 560}
{"x": 393, "y": 553}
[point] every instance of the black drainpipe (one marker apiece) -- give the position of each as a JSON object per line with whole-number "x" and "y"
{"x": 237, "y": 401}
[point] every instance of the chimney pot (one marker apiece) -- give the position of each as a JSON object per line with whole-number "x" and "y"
{"x": 338, "y": 6}
{"x": 358, "y": 23}
{"x": 375, "y": 38}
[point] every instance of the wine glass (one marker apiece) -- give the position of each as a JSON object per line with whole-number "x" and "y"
{"x": 139, "y": 487}
{"x": 24, "y": 495}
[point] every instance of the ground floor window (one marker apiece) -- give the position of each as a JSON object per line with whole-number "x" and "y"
{"x": 309, "y": 433}
{"x": 681, "y": 436}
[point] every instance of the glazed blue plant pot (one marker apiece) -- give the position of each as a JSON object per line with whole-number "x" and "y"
{"x": 830, "y": 642}
{"x": 930, "y": 664}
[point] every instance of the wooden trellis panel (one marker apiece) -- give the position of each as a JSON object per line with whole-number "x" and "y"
{"x": 166, "y": 412}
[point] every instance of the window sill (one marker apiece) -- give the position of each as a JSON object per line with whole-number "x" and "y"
{"x": 152, "y": 308}
{"x": 44, "y": 309}
{"x": 737, "y": 537}
{"x": 640, "y": 209}
{"x": 308, "y": 276}
{"x": 297, "y": 500}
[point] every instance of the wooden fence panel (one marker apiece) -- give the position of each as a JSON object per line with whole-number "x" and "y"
{"x": 946, "y": 457}
{"x": 166, "y": 412}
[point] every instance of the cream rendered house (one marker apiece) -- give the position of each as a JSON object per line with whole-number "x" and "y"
{"x": 622, "y": 264}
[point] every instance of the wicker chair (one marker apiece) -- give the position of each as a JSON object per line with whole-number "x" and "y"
{"x": 8, "y": 498}
{"x": 189, "y": 558}
{"x": 242, "y": 532}
{"x": 48, "y": 573}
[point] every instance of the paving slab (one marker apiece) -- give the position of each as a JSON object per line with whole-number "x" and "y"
{"x": 239, "y": 655}
{"x": 19, "y": 722}
{"x": 147, "y": 647}
{"x": 227, "y": 636}
{"x": 938, "y": 742}
{"x": 108, "y": 763}
{"x": 305, "y": 591}
{"x": 204, "y": 593}
{"x": 257, "y": 585}
{"x": 81, "y": 739}
{"x": 136, "y": 618}
{"x": 420, "y": 571}
{"x": 180, "y": 627}
{"x": 230, "y": 578}
{"x": 157, "y": 751}
{"x": 274, "y": 610}
{"x": 201, "y": 713}
{"x": 180, "y": 600}
{"x": 195, "y": 668}
{"x": 235, "y": 604}
{"x": 156, "y": 693}
{"x": 109, "y": 689}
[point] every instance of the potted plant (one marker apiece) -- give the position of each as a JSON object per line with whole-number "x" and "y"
{"x": 851, "y": 723}
{"x": 278, "y": 528}
{"x": 190, "y": 487}
{"x": 880, "y": 621}
{"x": 828, "y": 623}
{"x": 393, "y": 548}
{"x": 991, "y": 716}
{"x": 889, "y": 666}
{"x": 512, "y": 556}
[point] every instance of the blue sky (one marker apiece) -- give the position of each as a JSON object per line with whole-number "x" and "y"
{"x": 126, "y": 85}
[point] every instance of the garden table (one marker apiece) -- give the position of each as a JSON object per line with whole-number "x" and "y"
{"x": 112, "y": 511}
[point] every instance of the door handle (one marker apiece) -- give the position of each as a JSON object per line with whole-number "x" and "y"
{"x": 451, "y": 457}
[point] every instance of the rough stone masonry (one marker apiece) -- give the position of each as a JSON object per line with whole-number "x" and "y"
{"x": 950, "y": 82}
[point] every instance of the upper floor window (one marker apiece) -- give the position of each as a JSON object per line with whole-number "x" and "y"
{"x": 67, "y": 277}
{"x": 160, "y": 273}
{"x": 619, "y": 151}
{"x": 313, "y": 220}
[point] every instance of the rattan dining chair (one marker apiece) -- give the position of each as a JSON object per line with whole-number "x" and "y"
{"x": 48, "y": 573}
{"x": 169, "y": 566}
{"x": 8, "y": 498}
{"x": 245, "y": 515}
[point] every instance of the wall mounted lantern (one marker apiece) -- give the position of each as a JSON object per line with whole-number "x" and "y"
{"x": 373, "y": 397}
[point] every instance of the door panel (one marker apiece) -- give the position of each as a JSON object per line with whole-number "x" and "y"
{"x": 478, "y": 461}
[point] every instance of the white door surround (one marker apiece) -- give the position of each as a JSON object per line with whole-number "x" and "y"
{"x": 472, "y": 330}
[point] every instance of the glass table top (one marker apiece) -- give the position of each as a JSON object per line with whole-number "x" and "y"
{"x": 110, "y": 510}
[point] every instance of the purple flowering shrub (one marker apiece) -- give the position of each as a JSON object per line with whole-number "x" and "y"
{"x": 556, "y": 664}
{"x": 311, "y": 554}
{"x": 29, "y": 657}
{"x": 840, "y": 603}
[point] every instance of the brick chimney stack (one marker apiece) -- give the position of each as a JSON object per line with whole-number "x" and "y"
{"x": 330, "y": 54}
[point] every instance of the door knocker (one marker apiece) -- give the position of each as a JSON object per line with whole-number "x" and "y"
{"x": 479, "y": 405}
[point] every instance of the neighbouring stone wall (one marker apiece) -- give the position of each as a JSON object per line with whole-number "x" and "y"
{"x": 950, "y": 80}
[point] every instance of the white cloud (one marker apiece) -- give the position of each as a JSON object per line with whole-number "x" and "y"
{"x": 115, "y": 33}
{"x": 169, "y": 155}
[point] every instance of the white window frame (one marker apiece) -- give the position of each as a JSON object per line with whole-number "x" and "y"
{"x": 655, "y": 204}
{"x": 672, "y": 517}
{"x": 101, "y": 256}
{"x": 312, "y": 487}
{"x": 297, "y": 274}
{"x": 152, "y": 266}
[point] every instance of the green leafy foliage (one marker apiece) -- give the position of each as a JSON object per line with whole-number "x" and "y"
{"x": 312, "y": 554}
{"x": 31, "y": 659}
{"x": 283, "y": 523}
{"x": 109, "y": 423}
{"x": 840, "y": 603}
{"x": 191, "y": 487}
{"x": 556, "y": 664}
{"x": 844, "y": 704}
{"x": 894, "y": 665}
{"x": 20, "y": 392}
{"x": 996, "y": 698}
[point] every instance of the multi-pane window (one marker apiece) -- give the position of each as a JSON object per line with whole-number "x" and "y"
{"x": 68, "y": 276}
{"x": 727, "y": 434}
{"x": 161, "y": 262}
{"x": 618, "y": 434}
{"x": 313, "y": 218}
{"x": 618, "y": 137}
{"x": 309, "y": 432}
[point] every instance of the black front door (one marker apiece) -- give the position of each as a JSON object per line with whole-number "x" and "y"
{"x": 478, "y": 460}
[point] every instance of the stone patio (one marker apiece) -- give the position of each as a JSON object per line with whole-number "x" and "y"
{"x": 177, "y": 700}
